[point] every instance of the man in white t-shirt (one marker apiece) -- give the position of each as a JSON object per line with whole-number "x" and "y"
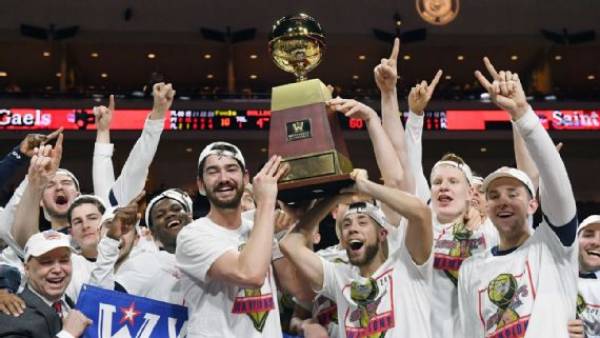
{"x": 166, "y": 215}
{"x": 527, "y": 285}
{"x": 588, "y": 300}
{"x": 384, "y": 291}
{"x": 227, "y": 280}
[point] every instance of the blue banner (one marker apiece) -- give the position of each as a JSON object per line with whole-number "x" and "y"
{"x": 120, "y": 315}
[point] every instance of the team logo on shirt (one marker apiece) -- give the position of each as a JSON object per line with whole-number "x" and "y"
{"x": 326, "y": 311}
{"x": 590, "y": 315}
{"x": 256, "y": 303}
{"x": 373, "y": 311}
{"x": 451, "y": 251}
{"x": 506, "y": 305}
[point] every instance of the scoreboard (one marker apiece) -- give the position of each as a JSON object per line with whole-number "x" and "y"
{"x": 259, "y": 119}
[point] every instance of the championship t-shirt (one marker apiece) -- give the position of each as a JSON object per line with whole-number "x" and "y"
{"x": 394, "y": 302}
{"x": 588, "y": 305}
{"x": 452, "y": 244}
{"x": 324, "y": 309}
{"x": 529, "y": 292}
{"x": 215, "y": 308}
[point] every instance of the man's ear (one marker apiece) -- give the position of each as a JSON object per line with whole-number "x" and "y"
{"x": 200, "y": 184}
{"x": 532, "y": 206}
{"x": 246, "y": 177}
{"x": 383, "y": 233}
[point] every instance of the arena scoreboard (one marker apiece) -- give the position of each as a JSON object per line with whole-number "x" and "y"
{"x": 257, "y": 119}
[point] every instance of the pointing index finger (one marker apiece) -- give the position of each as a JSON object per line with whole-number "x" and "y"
{"x": 111, "y": 102}
{"x": 435, "y": 81}
{"x": 395, "y": 50}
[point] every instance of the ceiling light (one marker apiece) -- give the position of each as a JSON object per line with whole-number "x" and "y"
{"x": 104, "y": 75}
{"x": 557, "y": 57}
{"x": 48, "y": 87}
{"x": 3, "y": 74}
{"x": 46, "y": 53}
{"x": 362, "y": 57}
{"x": 514, "y": 57}
{"x": 94, "y": 54}
{"x": 151, "y": 55}
{"x": 58, "y": 74}
{"x": 448, "y": 77}
{"x": 460, "y": 57}
{"x": 591, "y": 77}
{"x": 354, "y": 77}
{"x": 209, "y": 76}
{"x": 253, "y": 56}
{"x": 483, "y": 149}
{"x": 406, "y": 57}
{"x": 253, "y": 76}
{"x": 188, "y": 150}
{"x": 207, "y": 56}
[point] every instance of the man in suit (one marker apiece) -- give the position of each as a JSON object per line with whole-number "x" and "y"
{"x": 48, "y": 268}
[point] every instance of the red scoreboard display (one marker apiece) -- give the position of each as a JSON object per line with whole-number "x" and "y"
{"x": 227, "y": 119}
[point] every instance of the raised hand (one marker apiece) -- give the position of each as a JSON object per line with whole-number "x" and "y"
{"x": 386, "y": 73}
{"x": 419, "y": 95}
{"x": 125, "y": 218}
{"x": 44, "y": 163}
{"x": 505, "y": 90}
{"x": 265, "y": 182}
{"x": 104, "y": 115}
{"x": 31, "y": 141}
{"x": 163, "y": 98}
{"x": 352, "y": 109}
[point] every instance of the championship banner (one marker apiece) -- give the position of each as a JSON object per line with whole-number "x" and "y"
{"x": 120, "y": 315}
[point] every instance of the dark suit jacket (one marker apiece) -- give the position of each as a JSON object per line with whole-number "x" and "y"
{"x": 37, "y": 321}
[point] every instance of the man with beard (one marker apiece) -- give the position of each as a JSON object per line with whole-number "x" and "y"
{"x": 166, "y": 215}
{"x": 227, "y": 279}
{"x": 382, "y": 257}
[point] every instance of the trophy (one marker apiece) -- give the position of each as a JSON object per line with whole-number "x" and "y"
{"x": 304, "y": 131}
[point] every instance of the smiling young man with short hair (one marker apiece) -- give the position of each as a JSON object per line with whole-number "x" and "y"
{"x": 526, "y": 286}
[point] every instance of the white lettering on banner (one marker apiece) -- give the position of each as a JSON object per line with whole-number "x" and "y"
{"x": 10, "y": 118}
{"x": 575, "y": 119}
{"x": 105, "y": 327}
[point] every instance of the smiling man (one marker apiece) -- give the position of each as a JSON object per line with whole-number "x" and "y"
{"x": 166, "y": 215}
{"x": 526, "y": 286}
{"x": 48, "y": 268}
{"x": 227, "y": 280}
{"x": 385, "y": 290}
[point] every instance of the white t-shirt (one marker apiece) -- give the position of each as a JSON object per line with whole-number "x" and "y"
{"x": 324, "y": 309}
{"x": 588, "y": 305}
{"x": 530, "y": 292}
{"x": 215, "y": 308}
{"x": 395, "y": 300}
{"x": 153, "y": 275}
{"x": 451, "y": 246}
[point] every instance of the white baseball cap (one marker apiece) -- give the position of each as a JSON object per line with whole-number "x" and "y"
{"x": 44, "y": 242}
{"x": 177, "y": 195}
{"x": 593, "y": 219}
{"x": 367, "y": 208}
{"x": 223, "y": 149}
{"x": 512, "y": 173}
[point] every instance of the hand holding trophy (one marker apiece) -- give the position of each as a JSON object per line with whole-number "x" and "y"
{"x": 304, "y": 131}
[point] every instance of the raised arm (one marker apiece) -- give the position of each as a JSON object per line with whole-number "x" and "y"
{"x": 249, "y": 266}
{"x": 287, "y": 273}
{"x": 389, "y": 165}
{"x": 103, "y": 172}
{"x": 419, "y": 233}
{"x": 556, "y": 194}
{"x": 44, "y": 164}
{"x": 133, "y": 175}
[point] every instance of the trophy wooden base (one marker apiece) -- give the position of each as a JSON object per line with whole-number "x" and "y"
{"x": 314, "y": 187}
